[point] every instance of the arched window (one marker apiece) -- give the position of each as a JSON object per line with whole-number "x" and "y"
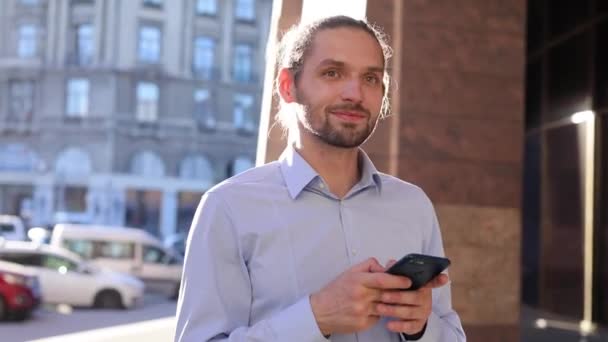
{"x": 147, "y": 163}
{"x": 18, "y": 157}
{"x": 239, "y": 165}
{"x": 73, "y": 161}
{"x": 196, "y": 167}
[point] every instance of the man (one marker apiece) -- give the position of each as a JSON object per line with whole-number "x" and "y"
{"x": 294, "y": 250}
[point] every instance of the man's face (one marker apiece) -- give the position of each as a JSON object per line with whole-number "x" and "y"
{"x": 339, "y": 90}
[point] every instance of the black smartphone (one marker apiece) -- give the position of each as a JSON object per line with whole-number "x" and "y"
{"x": 419, "y": 268}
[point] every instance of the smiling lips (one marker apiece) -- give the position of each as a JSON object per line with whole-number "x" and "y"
{"x": 349, "y": 116}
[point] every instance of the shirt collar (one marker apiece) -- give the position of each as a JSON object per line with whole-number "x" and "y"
{"x": 298, "y": 173}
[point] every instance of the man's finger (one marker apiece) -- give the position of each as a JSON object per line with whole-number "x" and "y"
{"x": 369, "y": 265}
{"x": 385, "y": 281}
{"x": 391, "y": 263}
{"x": 438, "y": 281}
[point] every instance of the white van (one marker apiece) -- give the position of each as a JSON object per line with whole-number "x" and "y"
{"x": 129, "y": 250}
{"x": 12, "y": 228}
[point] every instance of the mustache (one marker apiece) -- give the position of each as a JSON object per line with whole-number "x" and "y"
{"x": 351, "y": 107}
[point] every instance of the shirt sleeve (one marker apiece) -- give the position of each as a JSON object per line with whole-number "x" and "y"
{"x": 215, "y": 296}
{"x": 443, "y": 324}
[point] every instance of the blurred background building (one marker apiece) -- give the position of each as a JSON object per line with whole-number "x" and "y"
{"x": 125, "y": 112}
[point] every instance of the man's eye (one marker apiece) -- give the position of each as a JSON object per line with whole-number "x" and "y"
{"x": 372, "y": 79}
{"x": 331, "y": 73}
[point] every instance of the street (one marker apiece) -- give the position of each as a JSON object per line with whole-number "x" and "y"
{"x": 153, "y": 321}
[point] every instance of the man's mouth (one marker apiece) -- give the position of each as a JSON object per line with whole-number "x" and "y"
{"x": 349, "y": 115}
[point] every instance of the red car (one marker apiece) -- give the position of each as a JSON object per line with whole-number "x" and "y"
{"x": 19, "y": 291}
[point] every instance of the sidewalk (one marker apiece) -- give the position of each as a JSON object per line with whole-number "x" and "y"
{"x": 158, "y": 330}
{"x": 557, "y": 330}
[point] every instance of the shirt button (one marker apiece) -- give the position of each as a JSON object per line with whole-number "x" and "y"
{"x": 354, "y": 251}
{"x": 322, "y": 186}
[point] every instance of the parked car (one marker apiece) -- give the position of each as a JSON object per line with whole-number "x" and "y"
{"x": 66, "y": 279}
{"x": 19, "y": 291}
{"x": 12, "y": 227}
{"x": 129, "y": 250}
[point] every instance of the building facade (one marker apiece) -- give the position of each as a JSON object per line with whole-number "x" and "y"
{"x": 125, "y": 112}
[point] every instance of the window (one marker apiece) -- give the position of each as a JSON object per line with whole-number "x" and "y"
{"x": 62, "y": 265}
{"x": 78, "y": 97}
{"x": 84, "y": 44}
{"x": 196, "y": 167}
{"x": 7, "y": 228}
{"x": 203, "y": 109}
{"x": 26, "y": 259}
{"x": 241, "y": 66}
{"x": 153, "y": 3}
{"x": 29, "y": 2}
{"x": 204, "y": 57}
{"x": 147, "y": 102}
{"x": 245, "y": 10}
{"x": 239, "y": 165}
{"x": 22, "y": 100}
{"x": 18, "y": 157}
{"x": 206, "y": 7}
{"x": 149, "y": 44}
{"x": 147, "y": 164}
{"x": 242, "y": 108}
{"x": 154, "y": 255}
{"x": 84, "y": 248}
{"x": 27, "y": 41}
{"x": 116, "y": 250}
{"x": 73, "y": 162}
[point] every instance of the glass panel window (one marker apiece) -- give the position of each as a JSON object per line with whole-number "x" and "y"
{"x": 116, "y": 250}
{"x": 206, "y": 7}
{"x": 196, "y": 167}
{"x": 84, "y": 248}
{"x": 78, "y": 97}
{"x": 26, "y": 259}
{"x": 148, "y": 164}
{"x": 147, "y": 102}
{"x": 149, "y": 44}
{"x": 203, "y": 109}
{"x": 62, "y": 265}
{"x": 84, "y": 43}
{"x": 22, "y": 100}
{"x": 242, "y": 111}
{"x": 245, "y": 10}
{"x": 204, "y": 57}
{"x": 239, "y": 165}
{"x": 153, "y": 255}
{"x": 27, "y": 41}
{"x": 242, "y": 62}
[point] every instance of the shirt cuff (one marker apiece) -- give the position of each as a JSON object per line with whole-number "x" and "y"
{"x": 297, "y": 323}
{"x": 432, "y": 331}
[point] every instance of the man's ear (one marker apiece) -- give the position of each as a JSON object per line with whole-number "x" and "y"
{"x": 287, "y": 85}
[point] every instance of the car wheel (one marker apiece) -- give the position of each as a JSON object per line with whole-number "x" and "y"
{"x": 108, "y": 299}
{"x": 3, "y": 309}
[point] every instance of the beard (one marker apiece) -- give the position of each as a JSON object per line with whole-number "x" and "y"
{"x": 316, "y": 120}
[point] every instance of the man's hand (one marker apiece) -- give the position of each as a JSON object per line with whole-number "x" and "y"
{"x": 349, "y": 303}
{"x": 410, "y": 308}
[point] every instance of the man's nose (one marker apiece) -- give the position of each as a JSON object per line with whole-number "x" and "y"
{"x": 352, "y": 91}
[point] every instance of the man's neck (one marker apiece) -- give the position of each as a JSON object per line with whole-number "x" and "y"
{"x": 339, "y": 167}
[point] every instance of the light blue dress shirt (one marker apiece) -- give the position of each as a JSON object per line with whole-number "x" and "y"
{"x": 263, "y": 241}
